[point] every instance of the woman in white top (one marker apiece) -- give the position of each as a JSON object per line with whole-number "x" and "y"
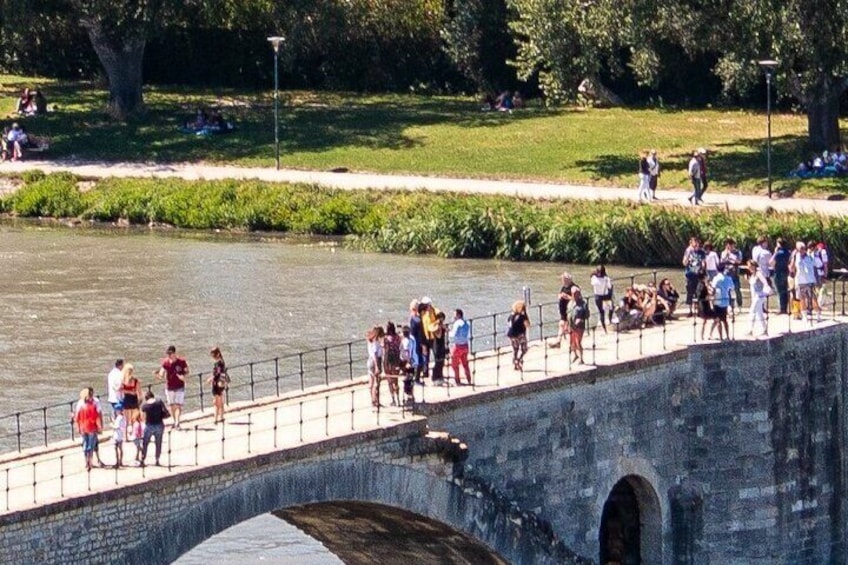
{"x": 760, "y": 289}
{"x": 602, "y": 290}
{"x": 375, "y": 362}
{"x": 710, "y": 261}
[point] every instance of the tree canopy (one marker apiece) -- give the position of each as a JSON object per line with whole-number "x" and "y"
{"x": 566, "y": 41}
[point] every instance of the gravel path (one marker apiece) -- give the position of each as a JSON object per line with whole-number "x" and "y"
{"x": 356, "y": 181}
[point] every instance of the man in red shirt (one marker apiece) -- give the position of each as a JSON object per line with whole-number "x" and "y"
{"x": 174, "y": 370}
{"x": 89, "y": 424}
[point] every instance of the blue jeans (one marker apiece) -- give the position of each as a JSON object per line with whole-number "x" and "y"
{"x": 155, "y": 431}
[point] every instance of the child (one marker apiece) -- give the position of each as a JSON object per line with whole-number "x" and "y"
{"x": 119, "y": 425}
{"x": 136, "y": 435}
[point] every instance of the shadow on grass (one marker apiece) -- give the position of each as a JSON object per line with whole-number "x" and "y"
{"x": 80, "y": 129}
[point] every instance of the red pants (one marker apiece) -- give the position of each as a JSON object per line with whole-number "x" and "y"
{"x": 459, "y": 356}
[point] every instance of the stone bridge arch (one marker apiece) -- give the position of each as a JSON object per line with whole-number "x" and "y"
{"x": 473, "y": 514}
{"x": 631, "y": 523}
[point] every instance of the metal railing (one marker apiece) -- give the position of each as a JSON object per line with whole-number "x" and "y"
{"x": 325, "y": 412}
{"x": 39, "y": 427}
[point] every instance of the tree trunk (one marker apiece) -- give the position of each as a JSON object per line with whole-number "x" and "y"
{"x": 823, "y": 119}
{"x": 122, "y": 61}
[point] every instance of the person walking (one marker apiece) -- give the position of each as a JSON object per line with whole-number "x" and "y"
{"x": 220, "y": 381}
{"x": 779, "y": 265}
{"x": 440, "y": 349}
{"x": 131, "y": 390}
{"x": 804, "y": 268}
{"x": 722, "y": 298}
{"x": 702, "y": 162}
{"x": 654, "y": 171}
{"x": 644, "y": 178}
{"x": 517, "y": 333}
{"x": 113, "y": 385}
{"x": 760, "y": 290}
{"x": 602, "y": 291}
{"x": 693, "y": 262}
{"x": 392, "y": 363}
{"x": 564, "y": 297}
{"x": 155, "y": 412}
{"x": 375, "y": 362}
{"x": 578, "y": 315}
{"x": 695, "y": 177}
{"x": 119, "y": 434}
{"x": 732, "y": 259}
{"x": 89, "y": 423}
{"x": 173, "y": 371}
{"x": 459, "y": 336}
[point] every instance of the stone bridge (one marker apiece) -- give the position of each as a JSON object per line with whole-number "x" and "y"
{"x": 730, "y": 452}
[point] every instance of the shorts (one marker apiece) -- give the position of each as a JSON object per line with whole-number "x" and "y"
{"x": 720, "y": 312}
{"x": 175, "y": 397}
{"x": 89, "y": 442}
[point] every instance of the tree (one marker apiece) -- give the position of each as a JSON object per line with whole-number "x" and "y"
{"x": 808, "y": 38}
{"x": 118, "y": 31}
{"x": 569, "y": 40}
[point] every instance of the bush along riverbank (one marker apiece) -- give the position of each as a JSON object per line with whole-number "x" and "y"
{"x": 448, "y": 225}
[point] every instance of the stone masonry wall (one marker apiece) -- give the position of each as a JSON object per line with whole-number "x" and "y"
{"x": 743, "y": 444}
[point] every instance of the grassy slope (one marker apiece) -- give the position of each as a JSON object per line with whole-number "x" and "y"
{"x": 423, "y": 135}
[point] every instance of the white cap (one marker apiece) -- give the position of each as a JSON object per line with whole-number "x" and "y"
{"x": 702, "y": 151}
{"x": 426, "y": 300}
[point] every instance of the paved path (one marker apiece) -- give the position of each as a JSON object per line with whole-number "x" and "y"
{"x": 351, "y": 181}
{"x": 46, "y": 474}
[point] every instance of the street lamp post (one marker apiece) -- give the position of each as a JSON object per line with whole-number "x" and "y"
{"x": 276, "y": 41}
{"x": 768, "y": 66}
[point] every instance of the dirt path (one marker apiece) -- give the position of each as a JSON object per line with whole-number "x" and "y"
{"x": 357, "y": 181}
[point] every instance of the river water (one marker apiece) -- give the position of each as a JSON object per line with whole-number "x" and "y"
{"x": 77, "y": 299}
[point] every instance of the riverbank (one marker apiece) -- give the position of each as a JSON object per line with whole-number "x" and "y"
{"x": 418, "y": 222}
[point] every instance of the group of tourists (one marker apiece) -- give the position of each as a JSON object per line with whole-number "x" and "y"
{"x": 795, "y": 274}
{"x": 422, "y": 342}
{"x": 826, "y": 164}
{"x": 138, "y": 417}
{"x": 31, "y": 103}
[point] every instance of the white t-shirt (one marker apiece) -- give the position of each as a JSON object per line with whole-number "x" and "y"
{"x": 600, "y": 285}
{"x": 711, "y": 262}
{"x": 119, "y": 425}
{"x": 763, "y": 258}
{"x": 113, "y": 384}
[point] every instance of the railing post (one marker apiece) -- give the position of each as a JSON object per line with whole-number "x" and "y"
{"x": 200, "y": 390}
{"x": 34, "y": 482}
{"x": 252, "y": 383}
{"x": 61, "y": 477}
{"x": 326, "y": 367}
{"x": 169, "y": 449}
{"x": 352, "y": 409}
{"x": 249, "y": 429}
{"x": 275, "y": 427}
{"x": 196, "y": 445}
{"x": 73, "y": 430}
{"x": 223, "y": 440}
{"x": 8, "y": 489}
{"x": 18, "y": 426}
{"x": 277, "y": 374}
{"x": 300, "y": 360}
{"x": 301, "y": 421}
{"x": 350, "y": 359}
{"x": 44, "y": 421}
{"x": 327, "y": 415}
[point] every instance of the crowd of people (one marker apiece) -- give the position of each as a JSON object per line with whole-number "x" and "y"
{"x": 424, "y": 346}
{"x": 408, "y": 356}
{"x": 138, "y": 417}
{"x": 796, "y": 274}
{"x": 506, "y": 101}
{"x": 826, "y": 164}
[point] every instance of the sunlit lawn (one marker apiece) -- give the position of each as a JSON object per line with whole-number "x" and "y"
{"x": 425, "y": 135}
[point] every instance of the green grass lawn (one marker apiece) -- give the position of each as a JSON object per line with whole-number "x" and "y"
{"x": 425, "y": 135}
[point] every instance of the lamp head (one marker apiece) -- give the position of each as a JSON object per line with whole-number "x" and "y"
{"x": 276, "y": 41}
{"x": 768, "y": 66}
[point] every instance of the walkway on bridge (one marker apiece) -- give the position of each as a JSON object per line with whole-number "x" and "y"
{"x": 42, "y": 475}
{"x": 353, "y": 181}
